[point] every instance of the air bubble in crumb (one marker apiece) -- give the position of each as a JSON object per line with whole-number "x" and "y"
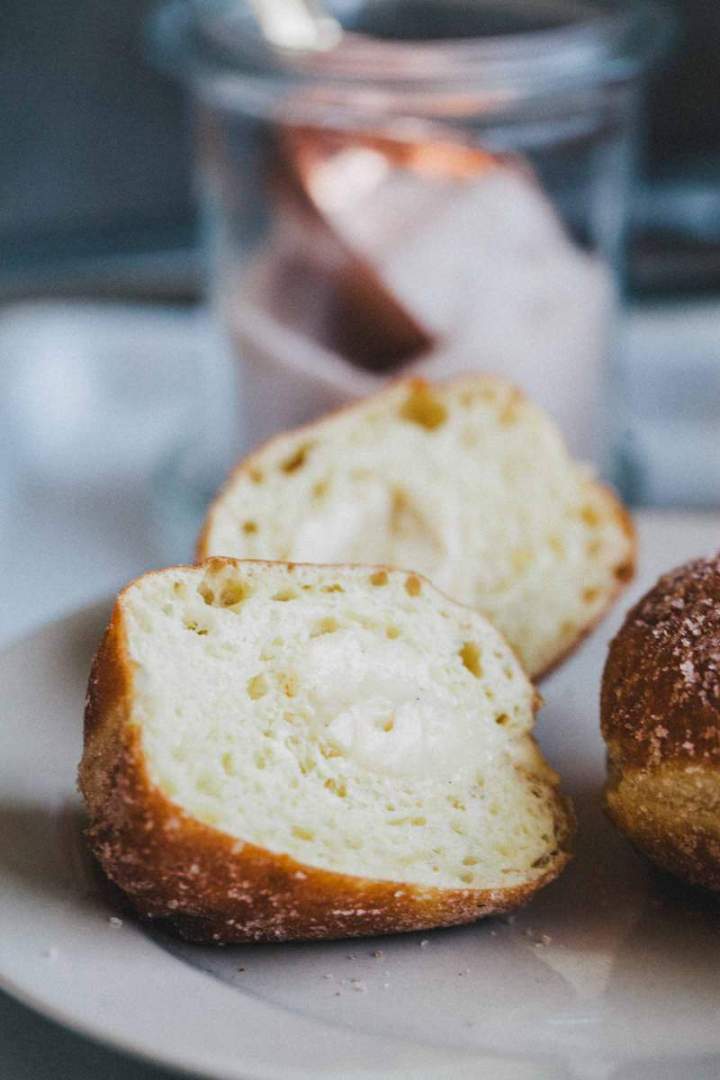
{"x": 470, "y": 656}
{"x": 297, "y": 459}
{"x": 413, "y": 586}
{"x": 285, "y": 595}
{"x": 257, "y": 687}
{"x": 232, "y": 593}
{"x": 422, "y": 407}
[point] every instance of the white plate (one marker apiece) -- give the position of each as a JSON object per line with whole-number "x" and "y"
{"x": 611, "y": 972}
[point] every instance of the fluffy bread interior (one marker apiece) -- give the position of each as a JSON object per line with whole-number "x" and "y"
{"x": 353, "y": 718}
{"x": 467, "y": 483}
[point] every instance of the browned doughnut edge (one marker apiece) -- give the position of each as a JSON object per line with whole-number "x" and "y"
{"x": 210, "y": 887}
{"x": 660, "y": 714}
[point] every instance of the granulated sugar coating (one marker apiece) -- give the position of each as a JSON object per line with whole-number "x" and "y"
{"x": 662, "y": 683}
{"x": 661, "y": 721}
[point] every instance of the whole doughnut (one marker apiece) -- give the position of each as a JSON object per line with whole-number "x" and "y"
{"x": 660, "y": 714}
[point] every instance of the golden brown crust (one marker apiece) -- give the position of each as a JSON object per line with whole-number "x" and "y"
{"x": 661, "y": 687}
{"x": 672, "y": 814}
{"x": 660, "y": 715}
{"x": 624, "y": 572}
{"x": 211, "y": 887}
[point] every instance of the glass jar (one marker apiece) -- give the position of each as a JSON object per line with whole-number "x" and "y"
{"x": 445, "y": 191}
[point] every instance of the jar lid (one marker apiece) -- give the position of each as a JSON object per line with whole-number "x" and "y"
{"x": 500, "y": 47}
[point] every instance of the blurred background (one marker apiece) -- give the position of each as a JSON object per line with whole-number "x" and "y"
{"x": 97, "y": 174}
{"x": 119, "y": 404}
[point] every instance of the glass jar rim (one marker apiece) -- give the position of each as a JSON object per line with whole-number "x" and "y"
{"x": 204, "y": 39}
